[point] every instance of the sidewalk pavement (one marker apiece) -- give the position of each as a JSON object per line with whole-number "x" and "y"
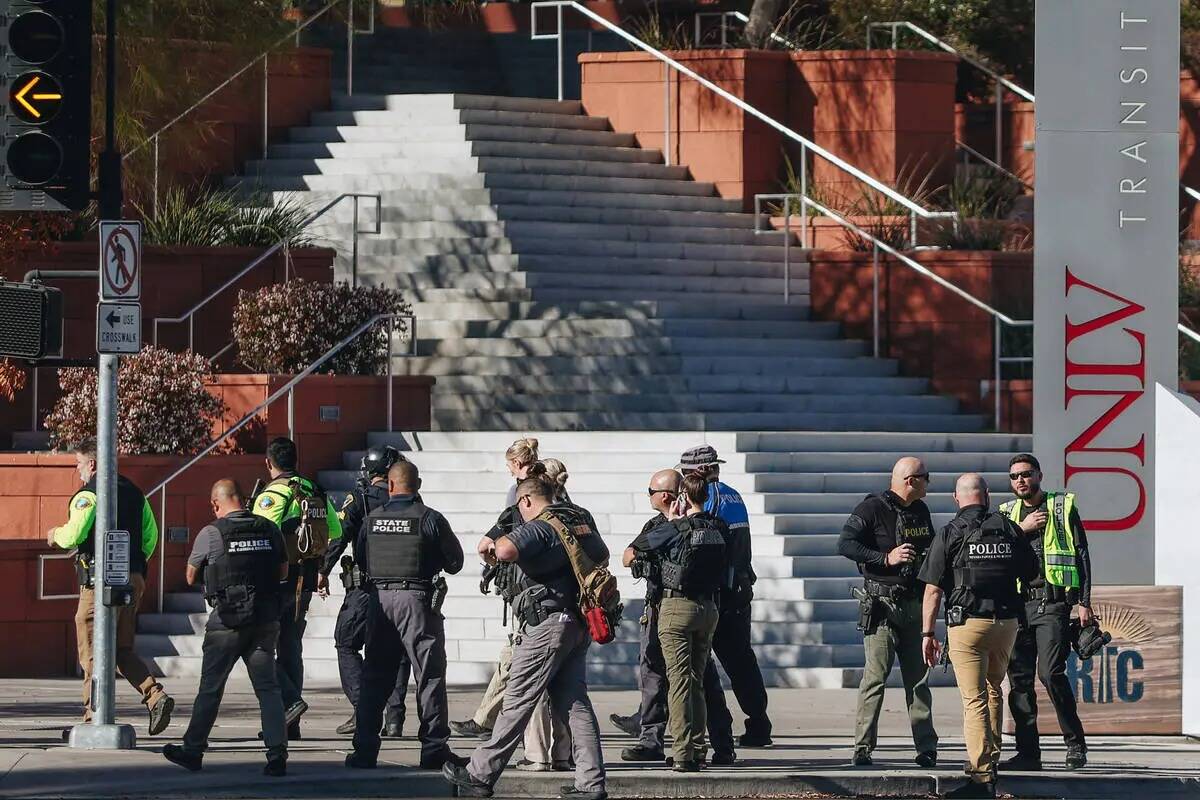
{"x": 808, "y": 759}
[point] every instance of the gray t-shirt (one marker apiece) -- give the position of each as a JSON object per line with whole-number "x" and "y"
{"x": 208, "y": 548}
{"x": 541, "y": 556}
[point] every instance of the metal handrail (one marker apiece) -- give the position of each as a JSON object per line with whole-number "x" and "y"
{"x": 288, "y": 389}
{"x": 915, "y": 209}
{"x": 264, "y": 56}
{"x": 740, "y": 17}
{"x": 878, "y": 245}
{"x": 189, "y": 315}
{"x": 972, "y": 152}
{"x": 41, "y": 576}
{"x": 1188, "y": 332}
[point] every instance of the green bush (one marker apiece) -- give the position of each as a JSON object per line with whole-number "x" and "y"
{"x": 164, "y": 405}
{"x": 207, "y": 217}
{"x": 285, "y": 327}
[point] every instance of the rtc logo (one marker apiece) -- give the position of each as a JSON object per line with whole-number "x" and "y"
{"x": 1113, "y": 674}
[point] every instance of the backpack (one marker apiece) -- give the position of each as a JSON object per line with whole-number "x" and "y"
{"x": 309, "y": 537}
{"x": 599, "y": 597}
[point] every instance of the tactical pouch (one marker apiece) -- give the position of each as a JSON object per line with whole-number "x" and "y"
{"x": 235, "y": 606}
{"x": 440, "y": 590}
{"x": 956, "y": 616}
{"x": 351, "y": 576}
{"x": 870, "y": 611}
{"x": 672, "y": 575}
{"x": 83, "y": 570}
{"x": 527, "y": 607}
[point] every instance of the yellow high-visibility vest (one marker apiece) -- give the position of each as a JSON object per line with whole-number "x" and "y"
{"x": 1058, "y": 540}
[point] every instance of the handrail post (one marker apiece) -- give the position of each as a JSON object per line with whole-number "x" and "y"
{"x": 895, "y": 36}
{"x": 192, "y": 333}
{"x": 155, "y": 206}
{"x": 391, "y": 331}
{"x": 666, "y": 114}
{"x": 999, "y": 124}
{"x": 996, "y": 380}
{"x": 870, "y": 25}
{"x": 787, "y": 257}
{"x": 725, "y": 30}
{"x": 354, "y": 248}
{"x": 912, "y": 229}
{"x": 162, "y": 548}
{"x": 266, "y": 103}
{"x": 350, "y": 48}
{"x": 803, "y": 197}
{"x": 34, "y": 411}
{"x": 561, "y": 68}
{"x": 875, "y": 299}
{"x": 291, "y": 413}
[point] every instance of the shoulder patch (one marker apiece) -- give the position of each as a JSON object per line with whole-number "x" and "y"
{"x": 265, "y": 501}
{"x": 83, "y": 502}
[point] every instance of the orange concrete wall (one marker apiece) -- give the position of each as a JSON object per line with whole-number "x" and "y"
{"x": 882, "y": 111}
{"x": 933, "y": 332}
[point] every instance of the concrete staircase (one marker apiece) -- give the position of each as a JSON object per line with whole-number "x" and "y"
{"x": 565, "y": 279}
{"x": 799, "y": 488}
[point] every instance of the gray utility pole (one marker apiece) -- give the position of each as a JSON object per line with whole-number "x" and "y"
{"x": 104, "y": 733}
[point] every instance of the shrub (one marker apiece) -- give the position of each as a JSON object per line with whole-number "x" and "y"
{"x": 982, "y": 201}
{"x": 164, "y": 406}
{"x": 285, "y": 327}
{"x": 207, "y": 217}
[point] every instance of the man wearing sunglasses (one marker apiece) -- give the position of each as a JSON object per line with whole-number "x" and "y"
{"x": 1052, "y": 523}
{"x": 888, "y": 536}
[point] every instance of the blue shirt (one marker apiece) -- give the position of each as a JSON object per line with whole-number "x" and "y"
{"x": 726, "y": 504}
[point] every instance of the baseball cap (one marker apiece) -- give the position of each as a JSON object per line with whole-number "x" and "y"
{"x": 700, "y": 456}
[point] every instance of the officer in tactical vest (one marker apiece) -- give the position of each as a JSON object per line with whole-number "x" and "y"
{"x": 1052, "y": 524}
{"x": 976, "y": 562}
{"x": 402, "y": 546}
{"x": 308, "y": 522}
{"x": 242, "y": 560}
{"x": 550, "y": 650}
{"x": 887, "y": 536}
{"x": 732, "y": 641}
{"x": 78, "y": 533}
{"x": 650, "y": 722}
{"x": 350, "y": 632}
{"x": 692, "y": 570}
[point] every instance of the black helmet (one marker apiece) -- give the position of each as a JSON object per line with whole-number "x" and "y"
{"x": 378, "y": 460}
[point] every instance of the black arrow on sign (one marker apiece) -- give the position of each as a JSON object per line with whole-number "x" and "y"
{"x": 112, "y": 319}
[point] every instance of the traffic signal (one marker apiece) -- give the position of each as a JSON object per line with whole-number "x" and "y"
{"x": 31, "y": 321}
{"x": 46, "y": 68}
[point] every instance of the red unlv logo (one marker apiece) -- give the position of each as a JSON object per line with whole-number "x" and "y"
{"x": 1122, "y": 399}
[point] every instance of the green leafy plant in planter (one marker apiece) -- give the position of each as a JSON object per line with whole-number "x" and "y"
{"x": 207, "y": 217}
{"x": 983, "y": 201}
{"x": 164, "y": 405}
{"x": 285, "y": 327}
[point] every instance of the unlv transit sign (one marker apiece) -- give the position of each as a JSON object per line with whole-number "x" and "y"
{"x": 1106, "y": 261}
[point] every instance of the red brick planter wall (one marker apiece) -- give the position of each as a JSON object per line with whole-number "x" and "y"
{"x": 933, "y": 332}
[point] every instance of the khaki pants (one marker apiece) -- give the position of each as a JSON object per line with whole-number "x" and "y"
{"x": 980, "y": 650}
{"x": 685, "y": 631}
{"x": 129, "y": 664}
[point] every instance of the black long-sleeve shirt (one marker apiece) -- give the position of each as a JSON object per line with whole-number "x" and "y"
{"x": 1083, "y": 560}
{"x": 360, "y": 502}
{"x": 878, "y": 525}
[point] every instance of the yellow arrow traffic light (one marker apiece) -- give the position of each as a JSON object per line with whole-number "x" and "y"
{"x": 20, "y": 96}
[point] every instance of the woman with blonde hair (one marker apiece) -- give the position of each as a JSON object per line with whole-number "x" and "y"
{"x": 520, "y": 456}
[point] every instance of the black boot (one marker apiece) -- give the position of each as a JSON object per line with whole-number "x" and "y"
{"x": 188, "y": 760}
{"x": 346, "y": 728}
{"x": 971, "y": 789}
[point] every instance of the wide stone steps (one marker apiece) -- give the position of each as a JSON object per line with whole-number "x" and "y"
{"x": 857, "y": 482}
{"x": 774, "y": 330}
{"x": 695, "y": 365}
{"x": 629, "y": 346}
{"x": 464, "y": 165}
{"x": 733, "y": 385}
{"x": 361, "y": 101}
{"x": 311, "y": 151}
{"x": 454, "y": 132}
{"x": 466, "y": 197}
{"x": 674, "y": 309}
{"x": 374, "y": 183}
{"x": 416, "y": 116}
{"x": 416, "y": 280}
{"x": 697, "y": 403}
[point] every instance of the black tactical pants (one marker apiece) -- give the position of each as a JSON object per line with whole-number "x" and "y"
{"x": 289, "y": 654}
{"x": 1042, "y": 647}
{"x": 349, "y": 639}
{"x": 732, "y": 647}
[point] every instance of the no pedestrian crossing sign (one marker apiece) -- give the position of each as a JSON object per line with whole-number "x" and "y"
{"x": 120, "y": 260}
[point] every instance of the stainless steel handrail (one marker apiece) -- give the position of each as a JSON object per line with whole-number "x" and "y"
{"x": 915, "y": 209}
{"x": 972, "y": 152}
{"x": 1188, "y": 332}
{"x": 264, "y": 57}
{"x": 740, "y": 17}
{"x": 879, "y": 246}
{"x": 189, "y": 315}
{"x": 288, "y": 389}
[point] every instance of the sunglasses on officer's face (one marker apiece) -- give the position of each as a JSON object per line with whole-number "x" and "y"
{"x": 1016, "y": 476}
{"x": 922, "y": 476}
{"x": 653, "y": 492}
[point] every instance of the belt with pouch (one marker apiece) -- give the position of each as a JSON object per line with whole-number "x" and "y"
{"x": 889, "y": 590}
{"x": 417, "y": 584}
{"x": 1049, "y": 594}
{"x": 696, "y": 597}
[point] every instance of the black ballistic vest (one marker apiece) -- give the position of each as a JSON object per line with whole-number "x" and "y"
{"x": 695, "y": 563}
{"x": 130, "y": 505}
{"x": 243, "y": 582}
{"x": 913, "y": 526}
{"x": 985, "y": 567}
{"x": 396, "y": 547}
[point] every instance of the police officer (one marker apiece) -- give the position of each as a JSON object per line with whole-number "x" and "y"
{"x": 887, "y": 536}
{"x": 650, "y": 722}
{"x": 78, "y": 533}
{"x": 350, "y": 632}
{"x": 283, "y": 502}
{"x": 690, "y": 549}
{"x": 403, "y": 545}
{"x": 242, "y": 561}
{"x": 732, "y": 641}
{"x": 977, "y": 561}
{"x": 1052, "y": 524}
{"x": 550, "y": 652}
